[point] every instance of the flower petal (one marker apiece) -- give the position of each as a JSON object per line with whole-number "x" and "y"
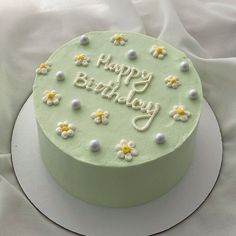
{"x": 66, "y": 122}
{"x": 44, "y": 71}
{"x": 55, "y": 101}
{"x": 188, "y": 113}
{"x": 167, "y": 80}
{"x": 116, "y": 42}
{"x": 70, "y": 132}
{"x": 44, "y": 99}
{"x": 122, "y": 42}
{"x": 132, "y": 144}
{"x": 60, "y": 124}
{"x": 120, "y": 154}
{"x": 184, "y": 118}
{"x": 97, "y": 120}
{"x": 134, "y": 152}
{"x": 172, "y": 113}
{"x": 176, "y": 117}
{"x": 155, "y": 54}
{"x": 58, "y": 96}
{"x": 123, "y": 142}
{"x": 118, "y": 147}
{"x": 78, "y": 63}
{"x": 72, "y": 127}
{"x": 49, "y": 102}
{"x": 58, "y": 130}
{"x": 38, "y": 71}
{"x": 105, "y": 120}
{"x": 128, "y": 157}
{"x": 106, "y": 113}
{"x": 93, "y": 115}
{"x": 64, "y": 134}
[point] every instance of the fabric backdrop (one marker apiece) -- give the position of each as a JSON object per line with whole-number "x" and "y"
{"x": 205, "y": 30}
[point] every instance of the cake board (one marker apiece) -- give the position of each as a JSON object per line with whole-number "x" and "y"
{"x": 77, "y": 216}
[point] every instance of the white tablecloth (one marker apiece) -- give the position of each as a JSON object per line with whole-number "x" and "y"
{"x": 205, "y": 30}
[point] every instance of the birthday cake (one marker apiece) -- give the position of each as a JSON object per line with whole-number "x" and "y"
{"x": 117, "y": 114}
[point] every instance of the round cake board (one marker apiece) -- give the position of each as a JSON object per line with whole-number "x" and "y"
{"x": 151, "y": 218}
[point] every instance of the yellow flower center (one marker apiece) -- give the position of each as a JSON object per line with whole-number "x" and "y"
{"x": 65, "y": 128}
{"x": 173, "y": 81}
{"x": 126, "y": 149}
{"x": 180, "y": 111}
{"x": 159, "y": 50}
{"x": 81, "y": 57}
{"x": 100, "y": 114}
{"x": 119, "y": 37}
{"x": 51, "y": 95}
{"x": 42, "y": 66}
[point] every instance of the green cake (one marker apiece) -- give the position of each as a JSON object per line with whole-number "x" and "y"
{"x": 117, "y": 114}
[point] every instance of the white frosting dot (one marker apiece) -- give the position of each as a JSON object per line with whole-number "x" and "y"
{"x": 94, "y": 145}
{"x": 60, "y": 75}
{"x": 184, "y": 66}
{"x": 132, "y": 55}
{"x": 160, "y": 138}
{"x": 75, "y": 104}
{"x": 193, "y": 94}
{"x": 84, "y": 40}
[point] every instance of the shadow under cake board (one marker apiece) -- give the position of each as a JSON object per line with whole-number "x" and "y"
{"x": 77, "y": 216}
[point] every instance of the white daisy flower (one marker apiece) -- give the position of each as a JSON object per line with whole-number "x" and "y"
{"x": 100, "y": 116}
{"x": 179, "y": 113}
{"x": 172, "y": 82}
{"x": 51, "y": 97}
{"x": 158, "y": 52}
{"x": 81, "y": 60}
{"x": 126, "y": 150}
{"x": 119, "y": 39}
{"x": 44, "y": 68}
{"x": 65, "y": 129}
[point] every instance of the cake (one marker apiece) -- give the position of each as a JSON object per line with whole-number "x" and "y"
{"x": 117, "y": 115}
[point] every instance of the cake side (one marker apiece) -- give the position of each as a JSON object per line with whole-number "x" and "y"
{"x": 118, "y": 186}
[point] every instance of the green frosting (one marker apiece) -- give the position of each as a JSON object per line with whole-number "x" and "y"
{"x": 83, "y": 172}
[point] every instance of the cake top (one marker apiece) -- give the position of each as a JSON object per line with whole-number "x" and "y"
{"x": 117, "y": 98}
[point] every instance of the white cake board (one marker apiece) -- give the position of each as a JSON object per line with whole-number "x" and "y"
{"x": 151, "y": 218}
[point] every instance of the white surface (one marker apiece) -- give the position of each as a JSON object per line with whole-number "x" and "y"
{"x": 77, "y": 216}
{"x": 205, "y": 29}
